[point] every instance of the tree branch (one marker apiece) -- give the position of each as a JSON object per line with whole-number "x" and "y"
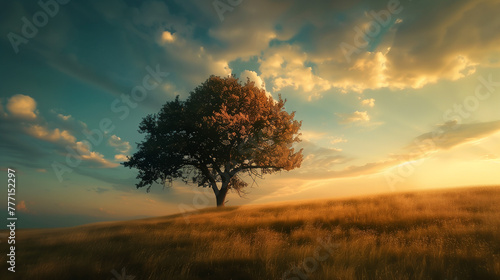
{"x": 242, "y": 168}
{"x": 206, "y": 172}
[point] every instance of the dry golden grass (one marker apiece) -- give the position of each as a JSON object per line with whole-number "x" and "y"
{"x": 452, "y": 234}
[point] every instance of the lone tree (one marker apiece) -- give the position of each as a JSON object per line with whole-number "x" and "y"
{"x": 222, "y": 131}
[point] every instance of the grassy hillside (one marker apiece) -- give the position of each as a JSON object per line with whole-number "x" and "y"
{"x": 453, "y": 234}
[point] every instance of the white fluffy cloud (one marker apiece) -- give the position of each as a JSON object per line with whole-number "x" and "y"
{"x": 356, "y": 117}
{"x": 168, "y": 37}
{"x": 368, "y": 102}
{"x": 286, "y": 67}
{"x": 319, "y": 159}
{"x": 120, "y": 145}
{"x": 22, "y": 106}
{"x": 254, "y": 77}
{"x": 85, "y": 152}
{"x": 448, "y": 43}
{"x": 55, "y": 135}
{"x": 120, "y": 158}
{"x": 413, "y": 50}
{"x": 367, "y": 71}
{"x": 419, "y": 49}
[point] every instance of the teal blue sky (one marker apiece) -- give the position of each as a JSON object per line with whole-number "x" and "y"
{"x": 393, "y": 95}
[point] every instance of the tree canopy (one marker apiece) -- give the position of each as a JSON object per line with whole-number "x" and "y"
{"x": 222, "y": 131}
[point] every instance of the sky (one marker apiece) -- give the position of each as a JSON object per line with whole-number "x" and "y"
{"x": 393, "y": 96}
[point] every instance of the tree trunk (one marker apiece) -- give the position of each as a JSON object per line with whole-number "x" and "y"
{"x": 221, "y": 196}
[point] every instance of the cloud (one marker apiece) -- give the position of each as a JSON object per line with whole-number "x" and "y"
{"x": 445, "y": 55}
{"x": 490, "y": 157}
{"x": 395, "y": 57}
{"x": 296, "y": 43}
{"x": 120, "y": 145}
{"x": 337, "y": 139}
{"x": 83, "y": 149}
{"x": 170, "y": 89}
{"x": 54, "y": 140}
{"x": 286, "y": 67}
{"x": 400, "y": 59}
{"x": 328, "y": 163}
{"x": 253, "y": 77}
{"x": 356, "y": 117}
{"x": 193, "y": 61}
{"x": 324, "y": 163}
{"x": 447, "y": 136}
{"x": 167, "y": 37}
{"x": 56, "y": 135}
{"x": 22, "y": 106}
{"x": 319, "y": 159}
{"x": 368, "y": 102}
{"x": 121, "y": 158}
{"x": 311, "y": 136}
{"x": 242, "y": 35}
{"x": 16, "y": 143}
{"x": 63, "y": 117}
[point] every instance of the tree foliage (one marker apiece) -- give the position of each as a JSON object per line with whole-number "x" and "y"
{"x": 223, "y": 130}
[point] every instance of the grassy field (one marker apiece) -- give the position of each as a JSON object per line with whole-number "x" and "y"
{"x": 452, "y": 234}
